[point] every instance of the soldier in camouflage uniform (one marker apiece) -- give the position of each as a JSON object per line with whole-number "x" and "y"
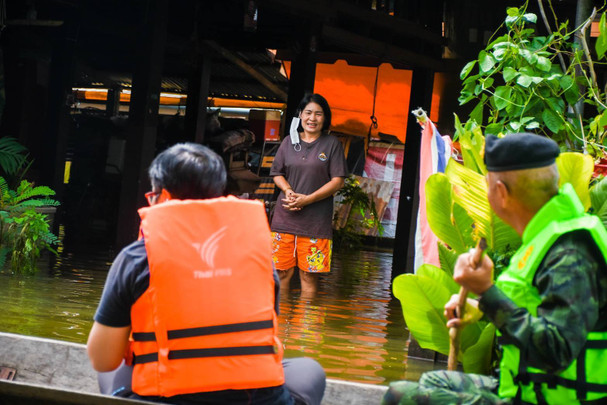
{"x": 549, "y": 306}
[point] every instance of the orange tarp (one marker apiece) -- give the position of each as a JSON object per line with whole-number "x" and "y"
{"x": 349, "y": 91}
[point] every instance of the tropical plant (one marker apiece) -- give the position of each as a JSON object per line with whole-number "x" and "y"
{"x": 525, "y": 81}
{"x": 520, "y": 81}
{"x": 598, "y": 198}
{"x": 459, "y": 214}
{"x": 24, "y": 233}
{"x": 361, "y": 215}
{"x": 14, "y": 159}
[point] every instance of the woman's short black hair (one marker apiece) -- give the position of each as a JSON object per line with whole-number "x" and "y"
{"x": 188, "y": 171}
{"x": 322, "y": 102}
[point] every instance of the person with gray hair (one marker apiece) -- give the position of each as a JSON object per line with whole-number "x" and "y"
{"x": 549, "y": 306}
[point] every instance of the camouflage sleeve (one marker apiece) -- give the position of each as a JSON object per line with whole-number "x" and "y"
{"x": 566, "y": 282}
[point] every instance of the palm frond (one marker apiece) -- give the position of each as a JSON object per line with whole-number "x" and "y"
{"x": 13, "y": 155}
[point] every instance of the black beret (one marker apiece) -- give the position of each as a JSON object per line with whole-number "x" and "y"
{"x": 519, "y": 151}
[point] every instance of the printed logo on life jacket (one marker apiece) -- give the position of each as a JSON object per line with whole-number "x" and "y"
{"x": 322, "y": 157}
{"x": 523, "y": 261}
{"x": 207, "y": 252}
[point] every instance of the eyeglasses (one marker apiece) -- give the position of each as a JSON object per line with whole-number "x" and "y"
{"x": 151, "y": 196}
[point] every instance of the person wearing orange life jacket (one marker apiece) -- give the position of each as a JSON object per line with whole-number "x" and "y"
{"x": 196, "y": 327}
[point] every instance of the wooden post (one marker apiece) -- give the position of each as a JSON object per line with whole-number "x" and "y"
{"x": 54, "y": 143}
{"x": 303, "y": 73}
{"x": 404, "y": 240}
{"x": 112, "y": 104}
{"x": 198, "y": 95}
{"x": 143, "y": 119}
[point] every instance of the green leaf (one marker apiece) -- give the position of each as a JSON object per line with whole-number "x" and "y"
{"x": 524, "y": 80}
{"x": 576, "y": 168}
{"x": 485, "y": 61}
{"x": 598, "y": 198}
{"x": 470, "y": 81}
{"x": 556, "y": 104}
{"x": 509, "y": 74}
{"x": 551, "y": 120}
{"x": 601, "y": 42}
{"x": 499, "y": 53}
{"x": 465, "y": 98}
{"x": 464, "y": 224}
{"x": 439, "y": 276}
{"x": 494, "y": 129}
{"x": 467, "y": 69}
{"x": 501, "y": 98}
{"x": 472, "y": 143}
{"x": 13, "y": 155}
{"x": 529, "y": 56}
{"x": 515, "y": 108}
{"x": 512, "y": 11}
{"x": 447, "y": 257}
{"x": 477, "y": 358}
{"x": 510, "y": 20}
{"x": 470, "y": 191}
{"x": 530, "y": 18}
{"x": 422, "y": 300}
{"x": 544, "y": 64}
{"x": 572, "y": 95}
{"x": 514, "y": 125}
{"x": 439, "y": 211}
{"x": 477, "y": 113}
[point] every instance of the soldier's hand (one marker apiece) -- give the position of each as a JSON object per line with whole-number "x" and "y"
{"x": 471, "y": 313}
{"x": 476, "y": 278}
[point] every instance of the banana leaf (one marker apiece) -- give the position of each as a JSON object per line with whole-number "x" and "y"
{"x": 472, "y": 145}
{"x": 598, "y": 198}
{"x": 470, "y": 191}
{"x": 447, "y": 258}
{"x": 449, "y": 221}
{"x": 477, "y": 359}
{"x": 576, "y": 168}
{"x": 423, "y": 297}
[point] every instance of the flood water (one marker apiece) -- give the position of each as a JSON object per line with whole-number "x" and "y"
{"x": 352, "y": 326}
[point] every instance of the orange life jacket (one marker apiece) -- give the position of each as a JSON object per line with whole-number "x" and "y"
{"x": 207, "y": 321}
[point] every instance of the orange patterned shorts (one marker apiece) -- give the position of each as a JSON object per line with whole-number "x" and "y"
{"x": 308, "y": 254}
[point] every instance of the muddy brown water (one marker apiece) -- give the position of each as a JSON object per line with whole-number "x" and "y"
{"x": 353, "y": 326}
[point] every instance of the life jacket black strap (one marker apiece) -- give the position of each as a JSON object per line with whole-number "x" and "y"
{"x": 554, "y": 380}
{"x": 580, "y": 371}
{"x": 596, "y": 344}
{"x": 205, "y": 330}
{"x": 210, "y": 352}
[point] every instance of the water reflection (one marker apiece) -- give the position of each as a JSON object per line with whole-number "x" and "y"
{"x": 352, "y": 326}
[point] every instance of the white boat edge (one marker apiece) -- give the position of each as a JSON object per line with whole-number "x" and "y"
{"x": 55, "y": 364}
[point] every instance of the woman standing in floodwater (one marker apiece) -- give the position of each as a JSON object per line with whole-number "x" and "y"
{"x": 309, "y": 168}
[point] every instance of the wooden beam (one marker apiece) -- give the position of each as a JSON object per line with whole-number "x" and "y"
{"x": 379, "y": 49}
{"x": 331, "y": 10}
{"x": 232, "y": 57}
{"x": 55, "y": 139}
{"x": 404, "y": 239}
{"x": 143, "y": 119}
{"x": 197, "y": 100}
{"x": 395, "y": 24}
{"x": 303, "y": 71}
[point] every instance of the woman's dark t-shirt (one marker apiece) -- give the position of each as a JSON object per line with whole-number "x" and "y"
{"x": 307, "y": 170}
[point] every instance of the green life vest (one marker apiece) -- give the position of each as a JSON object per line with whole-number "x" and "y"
{"x": 586, "y": 377}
